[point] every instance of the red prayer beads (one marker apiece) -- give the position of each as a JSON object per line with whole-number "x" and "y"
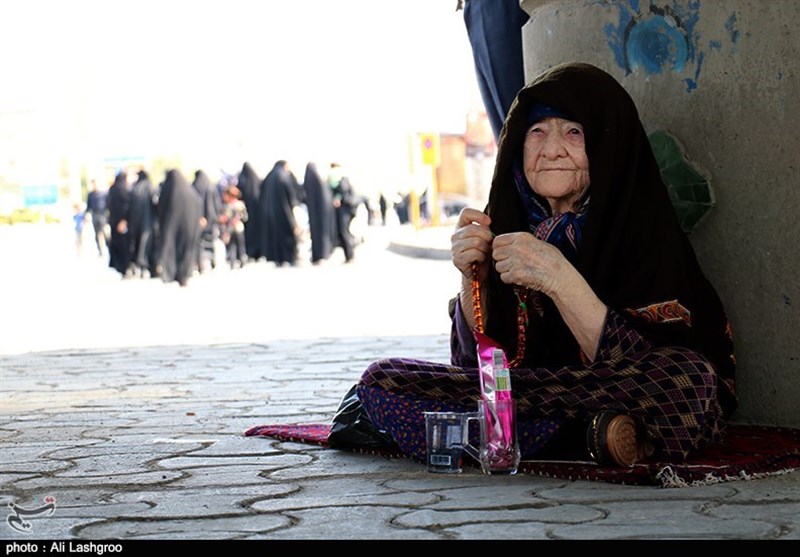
{"x": 476, "y": 298}
{"x": 522, "y": 294}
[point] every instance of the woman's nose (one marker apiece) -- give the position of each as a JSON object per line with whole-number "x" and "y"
{"x": 553, "y": 146}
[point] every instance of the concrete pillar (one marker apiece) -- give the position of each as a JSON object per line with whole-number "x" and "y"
{"x": 722, "y": 76}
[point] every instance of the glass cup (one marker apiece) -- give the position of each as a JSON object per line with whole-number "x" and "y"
{"x": 446, "y": 434}
{"x": 499, "y": 451}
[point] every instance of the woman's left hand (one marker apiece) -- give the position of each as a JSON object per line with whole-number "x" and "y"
{"x": 522, "y": 259}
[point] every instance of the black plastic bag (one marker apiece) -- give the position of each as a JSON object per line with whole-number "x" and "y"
{"x": 352, "y": 427}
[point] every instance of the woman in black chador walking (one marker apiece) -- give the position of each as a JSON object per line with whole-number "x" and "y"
{"x": 249, "y": 185}
{"x": 179, "y": 213}
{"x": 279, "y": 227}
{"x": 119, "y": 202}
{"x": 319, "y": 202}
{"x": 142, "y": 216}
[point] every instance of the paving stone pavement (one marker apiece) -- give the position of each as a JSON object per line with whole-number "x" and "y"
{"x": 146, "y": 443}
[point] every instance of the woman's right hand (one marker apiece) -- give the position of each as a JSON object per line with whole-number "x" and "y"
{"x": 472, "y": 242}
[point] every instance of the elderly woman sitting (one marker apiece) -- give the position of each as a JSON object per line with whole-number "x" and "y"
{"x": 619, "y": 345}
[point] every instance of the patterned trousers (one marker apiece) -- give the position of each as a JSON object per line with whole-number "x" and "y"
{"x": 670, "y": 392}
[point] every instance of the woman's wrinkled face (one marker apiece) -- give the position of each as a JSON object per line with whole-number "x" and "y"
{"x": 555, "y": 163}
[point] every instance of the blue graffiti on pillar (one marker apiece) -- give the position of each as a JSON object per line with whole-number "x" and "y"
{"x": 656, "y": 42}
{"x": 654, "y": 38}
{"x": 733, "y": 32}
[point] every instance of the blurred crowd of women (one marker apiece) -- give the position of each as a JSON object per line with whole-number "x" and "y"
{"x": 173, "y": 229}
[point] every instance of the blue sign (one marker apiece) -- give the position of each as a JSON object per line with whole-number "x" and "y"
{"x": 40, "y": 195}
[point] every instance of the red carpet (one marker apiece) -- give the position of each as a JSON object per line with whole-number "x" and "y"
{"x": 749, "y": 452}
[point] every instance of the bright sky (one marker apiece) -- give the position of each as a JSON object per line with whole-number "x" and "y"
{"x": 222, "y": 81}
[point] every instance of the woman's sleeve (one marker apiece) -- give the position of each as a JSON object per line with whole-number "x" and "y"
{"x": 619, "y": 339}
{"x": 463, "y": 351}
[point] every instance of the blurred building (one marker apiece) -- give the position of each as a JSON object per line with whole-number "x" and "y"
{"x": 467, "y": 163}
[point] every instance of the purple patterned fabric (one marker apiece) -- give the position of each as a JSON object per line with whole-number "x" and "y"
{"x": 670, "y": 391}
{"x": 401, "y": 416}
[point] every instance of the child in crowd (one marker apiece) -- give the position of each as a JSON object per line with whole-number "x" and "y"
{"x": 78, "y": 219}
{"x": 232, "y": 219}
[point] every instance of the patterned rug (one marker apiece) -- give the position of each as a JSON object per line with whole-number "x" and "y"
{"x": 749, "y": 452}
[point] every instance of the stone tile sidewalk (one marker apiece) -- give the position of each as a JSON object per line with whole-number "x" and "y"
{"x": 147, "y": 443}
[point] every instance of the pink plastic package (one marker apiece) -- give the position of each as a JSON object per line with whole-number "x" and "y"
{"x": 499, "y": 445}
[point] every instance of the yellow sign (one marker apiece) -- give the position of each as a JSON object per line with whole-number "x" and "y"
{"x": 429, "y": 143}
